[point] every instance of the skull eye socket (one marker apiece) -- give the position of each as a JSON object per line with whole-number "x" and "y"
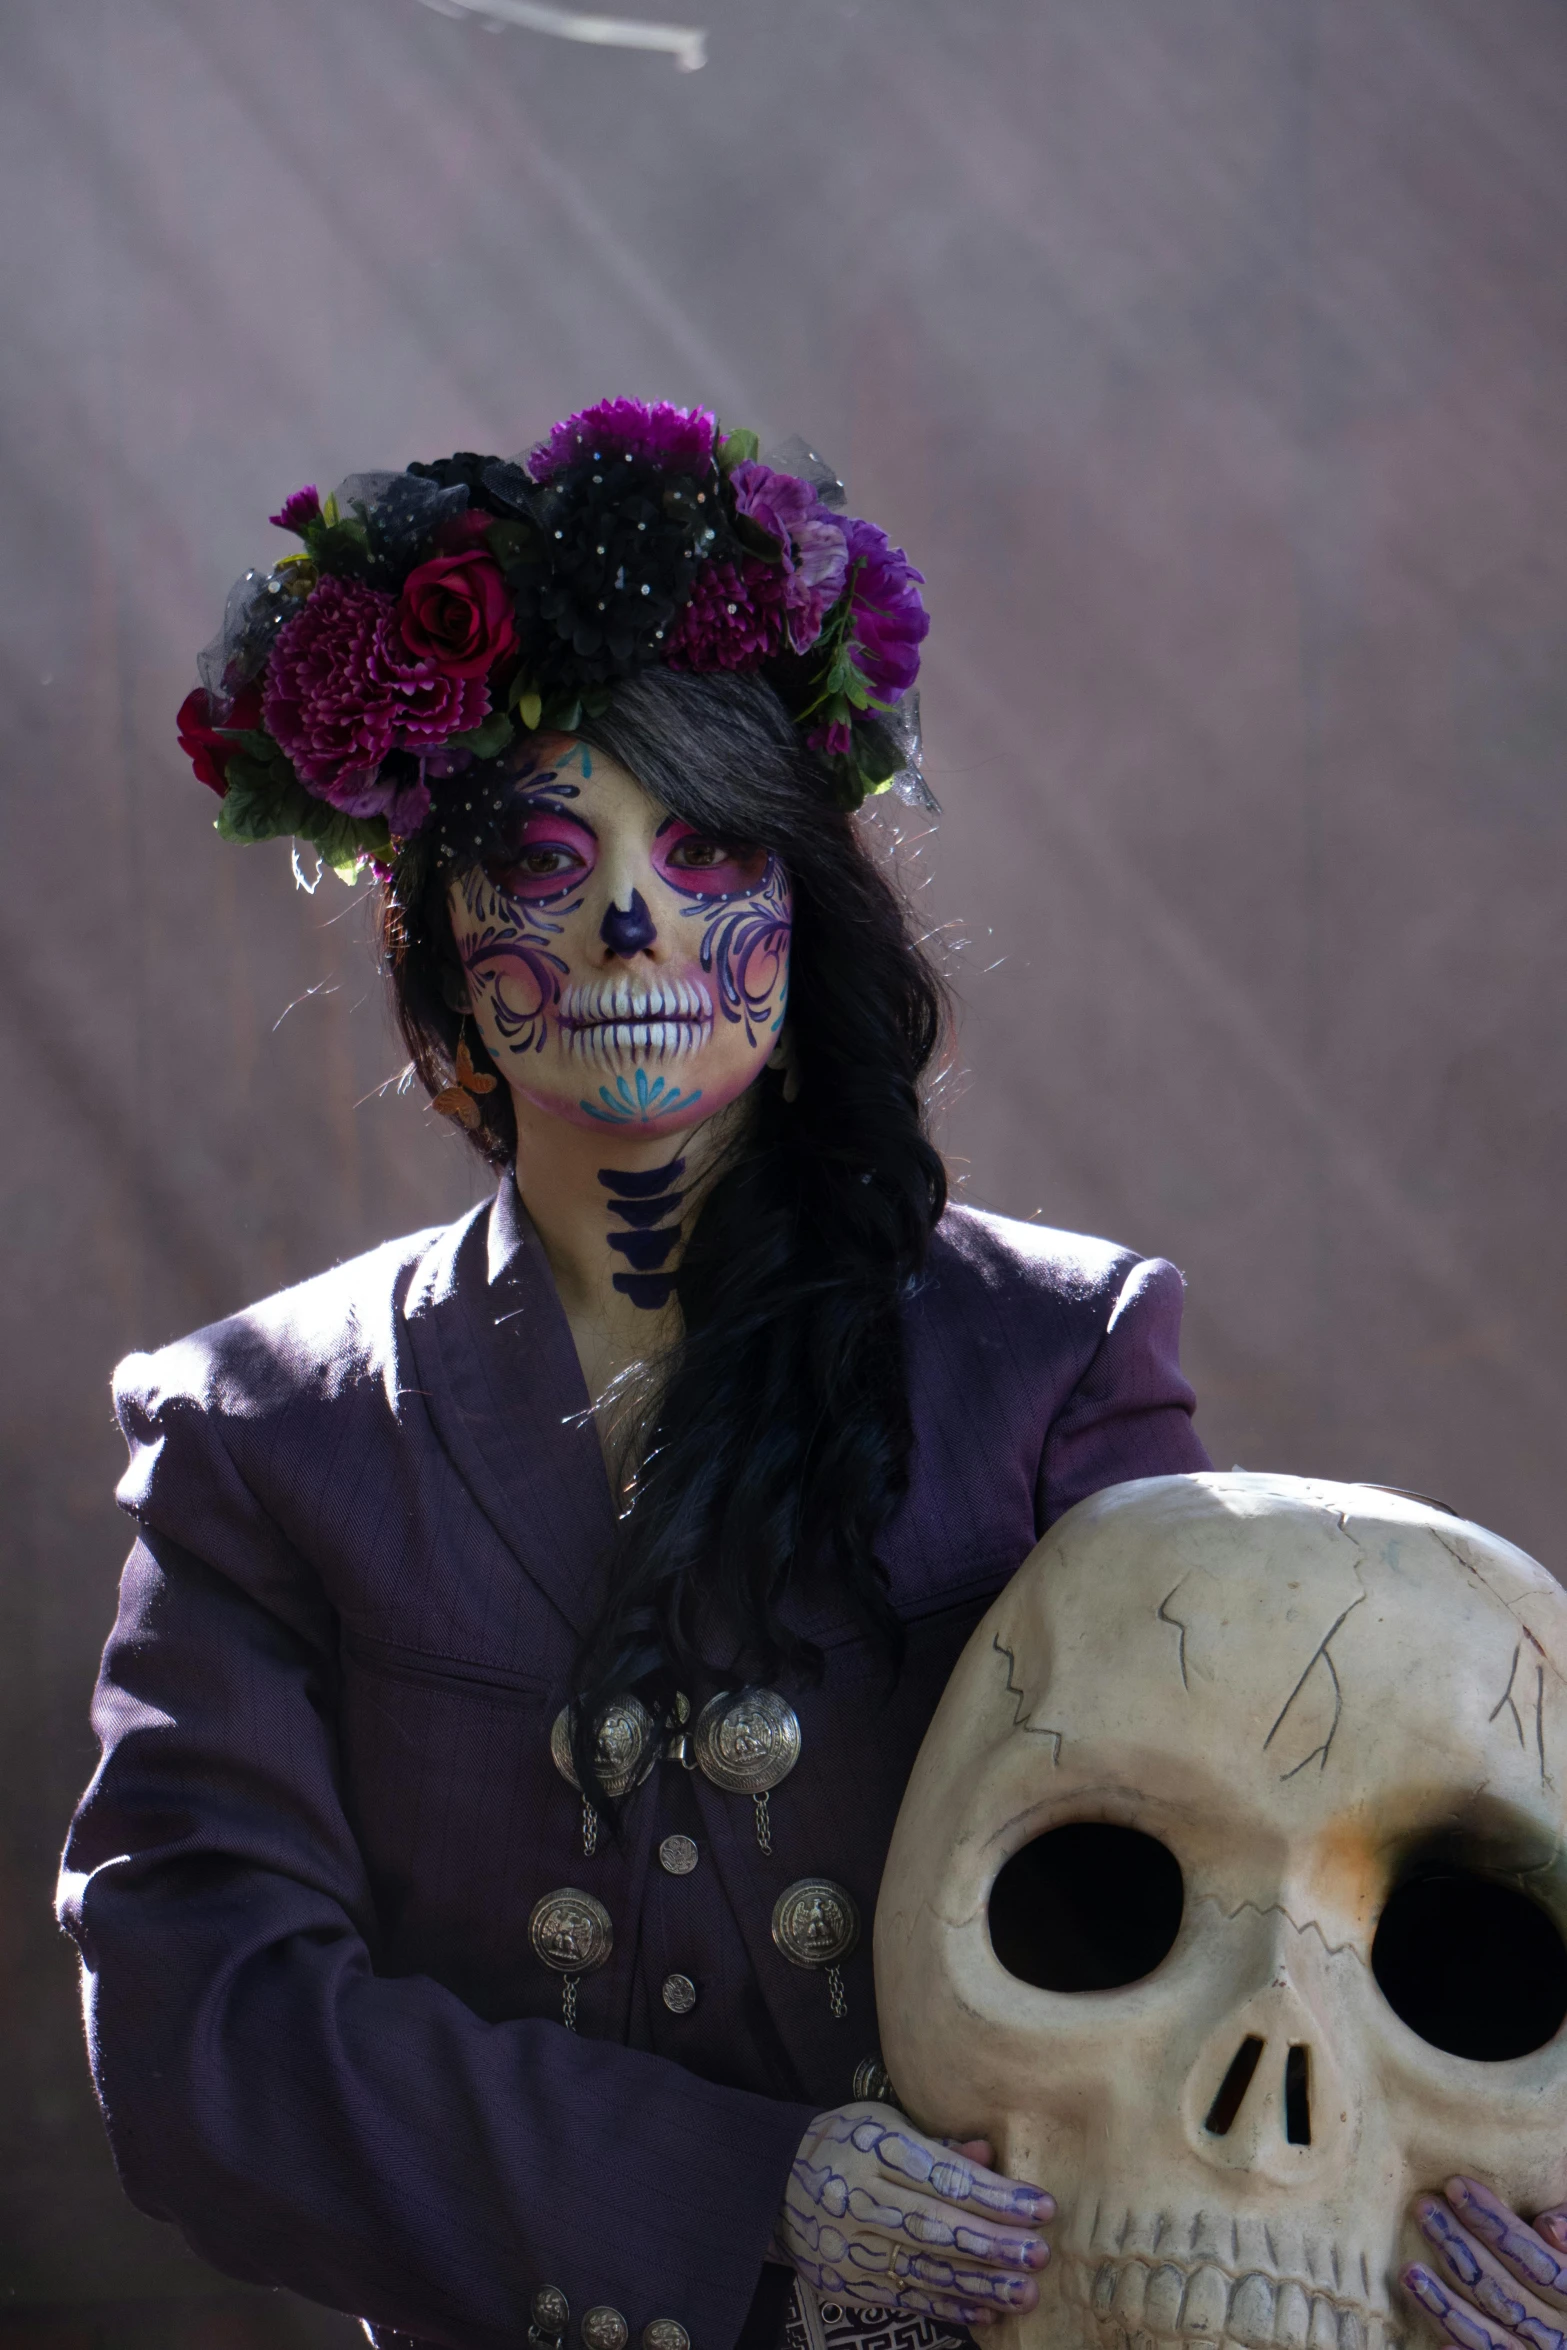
{"x": 1473, "y": 1966}
{"x": 1086, "y": 1907}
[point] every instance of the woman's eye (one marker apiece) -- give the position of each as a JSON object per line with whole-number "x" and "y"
{"x": 538, "y": 868}
{"x": 716, "y": 867}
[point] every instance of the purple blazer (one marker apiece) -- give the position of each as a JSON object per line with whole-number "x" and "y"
{"x": 371, "y": 1524}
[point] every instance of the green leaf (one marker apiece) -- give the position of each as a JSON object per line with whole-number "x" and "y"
{"x": 529, "y": 705}
{"x": 877, "y": 762}
{"x": 563, "y": 715}
{"x": 266, "y": 801}
{"x": 329, "y": 509}
{"x": 507, "y": 540}
{"x": 738, "y": 448}
{"x": 249, "y": 809}
{"x": 343, "y": 547}
{"x": 485, "y": 740}
{"x": 757, "y": 541}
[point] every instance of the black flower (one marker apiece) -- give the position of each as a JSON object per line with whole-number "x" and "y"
{"x": 622, "y": 541}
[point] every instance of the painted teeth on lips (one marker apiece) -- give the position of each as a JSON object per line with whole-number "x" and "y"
{"x": 601, "y": 1001}
{"x": 604, "y": 1041}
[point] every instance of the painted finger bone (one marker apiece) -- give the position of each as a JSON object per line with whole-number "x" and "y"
{"x": 1228, "y": 1899}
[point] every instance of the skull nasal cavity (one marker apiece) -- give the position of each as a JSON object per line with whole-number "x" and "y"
{"x": 1233, "y": 2087}
{"x": 1086, "y": 1907}
{"x": 1473, "y": 1966}
{"x": 626, "y": 930}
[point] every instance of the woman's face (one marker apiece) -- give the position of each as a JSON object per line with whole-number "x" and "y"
{"x": 625, "y": 969}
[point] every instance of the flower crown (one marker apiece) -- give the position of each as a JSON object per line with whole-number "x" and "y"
{"x": 438, "y": 616}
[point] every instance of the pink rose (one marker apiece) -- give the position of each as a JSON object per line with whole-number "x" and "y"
{"x": 455, "y": 611}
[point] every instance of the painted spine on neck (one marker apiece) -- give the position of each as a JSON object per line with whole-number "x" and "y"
{"x": 648, "y": 1205}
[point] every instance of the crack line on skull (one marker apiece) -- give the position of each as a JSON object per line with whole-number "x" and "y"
{"x": 1508, "y": 1702}
{"x": 1507, "y": 1699}
{"x": 1511, "y": 1606}
{"x": 1175, "y": 1625}
{"x": 1323, "y": 1655}
{"x": 1276, "y": 1909}
{"x": 1016, "y": 1689}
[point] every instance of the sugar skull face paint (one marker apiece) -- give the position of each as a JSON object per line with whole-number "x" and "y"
{"x": 625, "y": 969}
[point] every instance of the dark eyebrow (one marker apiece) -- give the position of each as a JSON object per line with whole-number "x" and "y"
{"x": 668, "y": 821}
{"x": 522, "y": 809}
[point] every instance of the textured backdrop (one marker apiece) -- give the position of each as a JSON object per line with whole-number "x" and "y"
{"x": 1210, "y": 355}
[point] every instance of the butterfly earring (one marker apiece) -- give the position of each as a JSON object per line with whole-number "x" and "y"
{"x": 457, "y": 1100}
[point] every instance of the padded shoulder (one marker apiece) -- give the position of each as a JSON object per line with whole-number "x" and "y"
{"x": 1008, "y": 1256}
{"x": 308, "y": 1344}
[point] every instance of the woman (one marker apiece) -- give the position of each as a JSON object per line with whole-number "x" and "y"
{"x": 531, "y": 1625}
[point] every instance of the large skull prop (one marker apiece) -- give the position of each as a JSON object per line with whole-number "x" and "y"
{"x": 1225, "y": 1898}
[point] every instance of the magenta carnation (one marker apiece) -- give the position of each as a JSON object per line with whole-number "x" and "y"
{"x": 677, "y": 440}
{"x": 735, "y": 619}
{"x": 342, "y": 690}
{"x": 815, "y": 558}
{"x": 887, "y": 621}
{"x": 299, "y": 511}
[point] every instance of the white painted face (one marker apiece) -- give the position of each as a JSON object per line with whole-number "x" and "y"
{"x": 1227, "y": 1898}
{"x": 626, "y": 971}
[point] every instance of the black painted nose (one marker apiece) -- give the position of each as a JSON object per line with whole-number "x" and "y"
{"x": 626, "y": 930}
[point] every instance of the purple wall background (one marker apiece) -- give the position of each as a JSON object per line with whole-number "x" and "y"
{"x": 1211, "y": 357}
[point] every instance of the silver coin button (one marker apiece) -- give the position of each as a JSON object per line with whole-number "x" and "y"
{"x": 571, "y": 1931}
{"x": 871, "y": 2079}
{"x": 679, "y": 1994}
{"x": 815, "y": 1922}
{"x": 677, "y": 1857}
{"x": 604, "y": 2328}
{"x": 551, "y": 2310}
{"x": 665, "y": 2333}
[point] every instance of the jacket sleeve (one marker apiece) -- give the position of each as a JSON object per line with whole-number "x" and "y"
{"x": 368, "y": 2141}
{"x": 1130, "y": 1414}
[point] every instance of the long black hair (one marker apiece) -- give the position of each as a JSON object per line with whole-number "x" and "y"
{"x": 775, "y": 1446}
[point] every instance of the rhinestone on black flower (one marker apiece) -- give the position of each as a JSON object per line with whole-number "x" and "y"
{"x": 625, "y": 542}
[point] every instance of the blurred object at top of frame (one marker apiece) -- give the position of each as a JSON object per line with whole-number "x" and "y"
{"x": 685, "y": 43}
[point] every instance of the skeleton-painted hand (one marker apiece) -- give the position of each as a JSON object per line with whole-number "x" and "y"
{"x": 877, "y": 2213}
{"x": 1496, "y": 2282}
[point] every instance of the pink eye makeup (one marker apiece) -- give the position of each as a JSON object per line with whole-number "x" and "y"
{"x": 702, "y": 866}
{"x": 549, "y": 854}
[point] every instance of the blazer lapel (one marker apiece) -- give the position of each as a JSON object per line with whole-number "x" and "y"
{"x": 504, "y": 1390}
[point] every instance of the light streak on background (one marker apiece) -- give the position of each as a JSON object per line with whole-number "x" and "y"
{"x": 687, "y": 46}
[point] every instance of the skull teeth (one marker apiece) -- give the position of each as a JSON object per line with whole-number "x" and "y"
{"x": 1145, "y": 2304}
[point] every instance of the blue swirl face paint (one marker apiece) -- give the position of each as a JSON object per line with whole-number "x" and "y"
{"x": 518, "y": 904}
{"x": 745, "y": 946}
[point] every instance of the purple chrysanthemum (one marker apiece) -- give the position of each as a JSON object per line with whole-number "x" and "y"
{"x": 342, "y": 690}
{"x": 887, "y": 622}
{"x": 677, "y": 440}
{"x": 735, "y": 620}
{"x": 299, "y": 511}
{"x": 815, "y": 558}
